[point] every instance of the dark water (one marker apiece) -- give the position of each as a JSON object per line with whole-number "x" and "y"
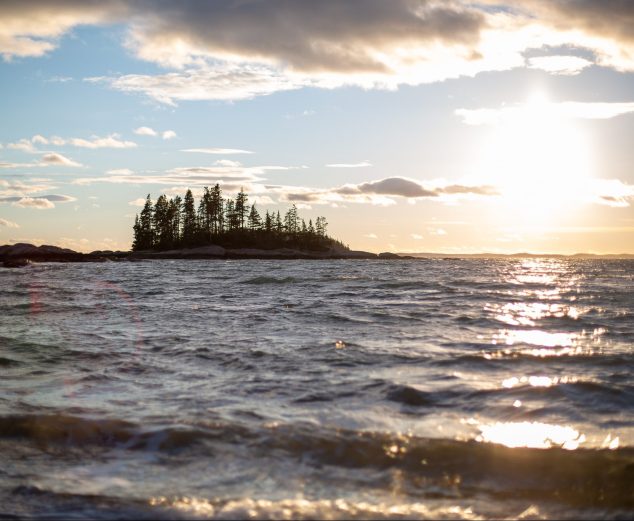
{"x": 331, "y": 389}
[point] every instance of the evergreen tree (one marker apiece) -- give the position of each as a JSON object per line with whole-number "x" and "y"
{"x": 255, "y": 221}
{"x": 268, "y": 222}
{"x": 232, "y": 217}
{"x": 291, "y": 220}
{"x": 241, "y": 208}
{"x": 189, "y": 219}
{"x": 217, "y": 217}
{"x": 311, "y": 228}
{"x": 137, "y": 234}
{"x": 162, "y": 224}
{"x": 146, "y": 232}
{"x": 175, "y": 218}
{"x": 205, "y": 212}
{"x": 321, "y": 226}
{"x": 279, "y": 228}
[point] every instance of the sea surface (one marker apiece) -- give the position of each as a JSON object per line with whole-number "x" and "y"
{"x": 457, "y": 389}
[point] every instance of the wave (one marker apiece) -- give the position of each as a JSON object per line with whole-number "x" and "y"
{"x": 581, "y": 477}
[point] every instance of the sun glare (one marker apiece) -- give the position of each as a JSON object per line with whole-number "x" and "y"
{"x": 539, "y": 159}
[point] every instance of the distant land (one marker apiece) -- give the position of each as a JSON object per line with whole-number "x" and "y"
{"x": 485, "y": 255}
{"x": 23, "y": 254}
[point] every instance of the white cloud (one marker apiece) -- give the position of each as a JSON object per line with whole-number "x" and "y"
{"x": 228, "y": 82}
{"x": 8, "y": 224}
{"x": 566, "y": 65}
{"x": 169, "y": 134}
{"x": 371, "y": 236}
{"x": 120, "y": 171}
{"x": 53, "y": 158}
{"x": 145, "y": 131}
{"x": 33, "y": 28}
{"x": 191, "y": 176}
{"x": 34, "y": 202}
{"x": 261, "y": 200}
{"x": 137, "y": 202}
{"x": 610, "y": 192}
{"x": 381, "y": 192}
{"x": 437, "y": 231}
{"x": 39, "y": 140}
{"x": 12, "y": 188}
{"x": 362, "y": 164}
{"x": 225, "y": 151}
{"x": 567, "y": 109}
{"x": 227, "y": 162}
{"x": 5, "y": 164}
{"x": 24, "y": 145}
{"x": 111, "y": 141}
{"x": 416, "y": 237}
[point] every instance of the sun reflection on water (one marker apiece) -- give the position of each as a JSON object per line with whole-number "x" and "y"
{"x": 537, "y": 381}
{"x": 533, "y": 435}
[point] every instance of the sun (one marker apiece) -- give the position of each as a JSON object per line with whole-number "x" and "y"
{"x": 539, "y": 159}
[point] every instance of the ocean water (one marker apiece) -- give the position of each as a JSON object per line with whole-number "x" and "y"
{"x": 458, "y": 389}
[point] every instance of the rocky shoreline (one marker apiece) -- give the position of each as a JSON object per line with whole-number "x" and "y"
{"x": 23, "y": 254}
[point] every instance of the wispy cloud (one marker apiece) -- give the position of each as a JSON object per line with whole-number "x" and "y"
{"x": 40, "y": 202}
{"x": 47, "y": 159}
{"x": 23, "y": 145}
{"x": 8, "y": 224}
{"x": 381, "y": 192}
{"x": 219, "y": 151}
{"x": 567, "y": 109}
{"x": 10, "y": 188}
{"x": 111, "y": 141}
{"x": 610, "y": 192}
{"x": 191, "y": 176}
{"x": 565, "y": 65}
{"x": 361, "y": 164}
{"x": 120, "y": 171}
{"x": 137, "y": 202}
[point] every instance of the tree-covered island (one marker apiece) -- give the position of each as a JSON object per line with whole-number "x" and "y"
{"x": 231, "y": 223}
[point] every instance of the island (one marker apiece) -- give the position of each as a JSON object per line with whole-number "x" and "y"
{"x": 216, "y": 228}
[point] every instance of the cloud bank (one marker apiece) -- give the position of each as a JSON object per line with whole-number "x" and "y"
{"x": 231, "y": 50}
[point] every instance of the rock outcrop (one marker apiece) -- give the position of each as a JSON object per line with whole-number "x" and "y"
{"x": 22, "y": 254}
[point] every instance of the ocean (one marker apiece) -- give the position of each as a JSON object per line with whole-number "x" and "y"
{"x": 384, "y": 389}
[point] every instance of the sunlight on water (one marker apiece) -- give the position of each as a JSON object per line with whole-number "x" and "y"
{"x": 301, "y": 508}
{"x": 526, "y": 314}
{"x": 533, "y": 435}
{"x": 537, "y": 381}
{"x": 537, "y": 338}
{"x": 542, "y": 352}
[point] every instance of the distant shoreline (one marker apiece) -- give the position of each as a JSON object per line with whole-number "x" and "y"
{"x": 22, "y": 254}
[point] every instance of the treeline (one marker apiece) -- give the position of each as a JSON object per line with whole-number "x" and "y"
{"x": 178, "y": 223}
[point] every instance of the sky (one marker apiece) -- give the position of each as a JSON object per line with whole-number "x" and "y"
{"x": 412, "y": 125}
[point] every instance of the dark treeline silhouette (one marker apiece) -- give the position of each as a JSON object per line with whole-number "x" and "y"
{"x": 177, "y": 223}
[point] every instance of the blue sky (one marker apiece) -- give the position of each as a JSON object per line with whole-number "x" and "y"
{"x": 459, "y": 128}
